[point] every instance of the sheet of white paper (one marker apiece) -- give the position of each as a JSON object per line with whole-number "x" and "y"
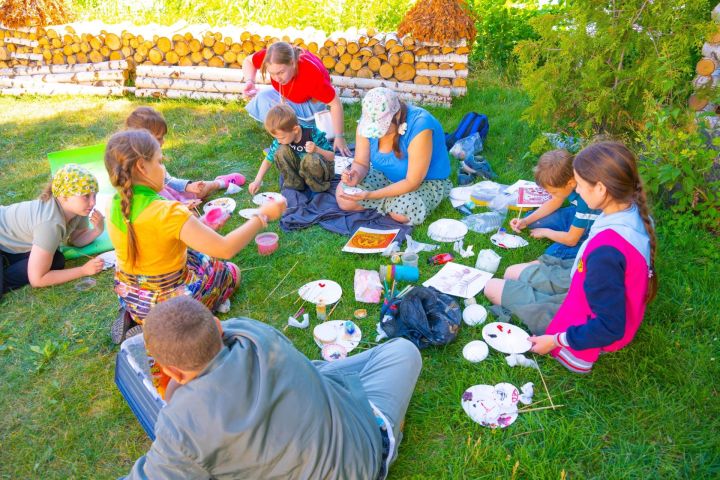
{"x": 341, "y": 163}
{"x": 459, "y": 280}
{"x": 520, "y": 183}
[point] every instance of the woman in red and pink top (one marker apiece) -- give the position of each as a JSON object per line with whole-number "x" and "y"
{"x": 300, "y": 80}
{"x": 613, "y": 278}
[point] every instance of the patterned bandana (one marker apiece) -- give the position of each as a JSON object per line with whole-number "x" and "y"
{"x": 378, "y": 109}
{"x": 71, "y": 180}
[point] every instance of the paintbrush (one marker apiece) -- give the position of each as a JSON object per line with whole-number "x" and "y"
{"x": 333, "y": 309}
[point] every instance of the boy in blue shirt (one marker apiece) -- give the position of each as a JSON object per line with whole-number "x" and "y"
{"x": 568, "y": 227}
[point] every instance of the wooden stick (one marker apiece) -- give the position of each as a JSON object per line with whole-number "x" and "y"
{"x": 527, "y": 433}
{"x": 281, "y": 281}
{"x": 333, "y": 309}
{"x": 251, "y": 268}
{"x": 542, "y": 377}
{"x": 551, "y": 407}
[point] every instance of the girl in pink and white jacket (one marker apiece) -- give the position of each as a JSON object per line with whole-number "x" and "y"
{"x": 613, "y": 278}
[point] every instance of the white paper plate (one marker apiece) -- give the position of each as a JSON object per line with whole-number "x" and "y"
{"x": 325, "y": 291}
{"x": 248, "y": 212}
{"x": 109, "y": 259}
{"x": 474, "y": 314}
{"x": 262, "y": 198}
{"x": 475, "y": 351}
{"x": 352, "y": 190}
{"x": 325, "y": 331}
{"x": 506, "y": 338}
{"x": 333, "y": 351}
{"x": 447, "y": 230}
{"x": 226, "y": 203}
{"x": 508, "y": 240}
{"x": 491, "y": 406}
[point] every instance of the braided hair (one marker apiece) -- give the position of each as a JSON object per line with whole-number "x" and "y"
{"x": 615, "y": 166}
{"x": 122, "y": 153}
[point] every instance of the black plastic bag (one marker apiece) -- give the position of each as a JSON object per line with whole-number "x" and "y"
{"x": 424, "y": 316}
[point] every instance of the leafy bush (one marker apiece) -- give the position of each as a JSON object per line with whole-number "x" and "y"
{"x": 500, "y": 26}
{"x": 593, "y": 63}
{"x": 328, "y": 16}
{"x": 676, "y": 162}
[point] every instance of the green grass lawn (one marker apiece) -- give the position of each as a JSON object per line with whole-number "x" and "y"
{"x": 649, "y": 411}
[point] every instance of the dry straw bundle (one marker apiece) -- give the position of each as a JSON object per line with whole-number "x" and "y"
{"x": 33, "y": 13}
{"x": 439, "y": 21}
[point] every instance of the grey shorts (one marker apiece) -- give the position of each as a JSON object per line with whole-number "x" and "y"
{"x": 416, "y": 205}
{"x": 536, "y": 296}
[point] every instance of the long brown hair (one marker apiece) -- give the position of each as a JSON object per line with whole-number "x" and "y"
{"x": 281, "y": 53}
{"x": 398, "y": 120}
{"x": 613, "y": 164}
{"x": 123, "y": 151}
{"x": 149, "y": 119}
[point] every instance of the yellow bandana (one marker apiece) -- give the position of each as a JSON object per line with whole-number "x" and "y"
{"x": 71, "y": 180}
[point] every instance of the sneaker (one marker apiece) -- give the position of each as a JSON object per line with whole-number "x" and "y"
{"x": 479, "y": 166}
{"x": 236, "y": 178}
{"x": 224, "y": 307}
{"x": 465, "y": 178}
{"x": 136, "y": 330}
{"x": 120, "y": 326}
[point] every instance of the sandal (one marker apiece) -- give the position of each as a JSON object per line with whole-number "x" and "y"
{"x": 122, "y": 324}
{"x": 479, "y": 166}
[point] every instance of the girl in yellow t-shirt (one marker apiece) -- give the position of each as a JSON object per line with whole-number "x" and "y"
{"x": 151, "y": 236}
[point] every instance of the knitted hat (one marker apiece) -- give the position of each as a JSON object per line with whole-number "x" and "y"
{"x": 71, "y": 180}
{"x": 378, "y": 109}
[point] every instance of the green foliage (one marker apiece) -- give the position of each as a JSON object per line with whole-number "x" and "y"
{"x": 595, "y": 61}
{"x": 675, "y": 162}
{"x": 500, "y": 26}
{"x": 328, "y": 16}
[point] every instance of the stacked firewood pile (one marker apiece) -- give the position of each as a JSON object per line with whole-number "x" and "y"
{"x": 708, "y": 76}
{"x": 203, "y": 62}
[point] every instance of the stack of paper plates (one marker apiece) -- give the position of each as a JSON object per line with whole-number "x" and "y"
{"x": 447, "y": 230}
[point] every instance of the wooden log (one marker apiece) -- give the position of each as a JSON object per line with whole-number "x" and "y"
{"x": 112, "y": 41}
{"x": 374, "y": 64}
{"x": 394, "y": 59}
{"x": 386, "y": 70}
{"x": 455, "y": 44}
{"x": 364, "y": 72}
{"x": 191, "y": 85}
{"x": 405, "y": 72}
{"x": 155, "y": 56}
{"x": 697, "y": 103}
{"x": 66, "y": 89}
{"x": 345, "y": 58}
{"x": 711, "y": 50}
{"x": 356, "y": 63}
{"x": 159, "y": 93}
{"x": 340, "y": 68}
{"x": 21, "y": 41}
{"x": 191, "y": 73}
{"x": 164, "y": 44}
{"x": 69, "y": 77}
{"x": 439, "y": 58}
{"x": 96, "y": 57}
{"x": 216, "y": 62}
{"x": 459, "y": 82}
{"x": 370, "y": 83}
{"x": 26, "y": 56}
{"x": 407, "y": 97}
{"x": 706, "y": 66}
{"x": 407, "y": 57}
{"x": 328, "y": 61}
{"x": 443, "y": 73}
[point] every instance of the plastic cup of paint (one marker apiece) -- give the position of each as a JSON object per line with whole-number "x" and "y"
{"x": 410, "y": 259}
{"x": 267, "y": 243}
{"x": 215, "y": 218}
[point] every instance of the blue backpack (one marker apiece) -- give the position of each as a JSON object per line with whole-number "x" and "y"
{"x": 472, "y": 122}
